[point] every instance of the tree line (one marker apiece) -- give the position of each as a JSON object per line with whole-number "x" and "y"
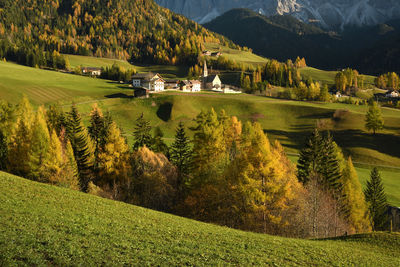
{"x": 227, "y": 173}
{"x": 32, "y": 56}
{"x": 349, "y": 80}
{"x": 389, "y": 80}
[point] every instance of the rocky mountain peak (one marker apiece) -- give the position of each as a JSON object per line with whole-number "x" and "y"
{"x": 330, "y": 14}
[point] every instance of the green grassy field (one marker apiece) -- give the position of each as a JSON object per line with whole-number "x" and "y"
{"x": 236, "y": 55}
{"x": 166, "y": 71}
{"x": 43, "y": 86}
{"x": 87, "y": 61}
{"x": 43, "y": 225}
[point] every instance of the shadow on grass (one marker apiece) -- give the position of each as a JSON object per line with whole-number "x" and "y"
{"x": 164, "y": 111}
{"x": 387, "y": 144}
{"x": 119, "y": 95}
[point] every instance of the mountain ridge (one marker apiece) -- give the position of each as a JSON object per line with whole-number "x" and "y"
{"x": 285, "y": 37}
{"x": 330, "y": 14}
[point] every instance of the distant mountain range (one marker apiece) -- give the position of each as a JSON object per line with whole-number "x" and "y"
{"x": 328, "y": 14}
{"x": 371, "y": 49}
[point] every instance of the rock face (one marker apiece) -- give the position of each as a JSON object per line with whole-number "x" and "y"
{"x": 330, "y": 14}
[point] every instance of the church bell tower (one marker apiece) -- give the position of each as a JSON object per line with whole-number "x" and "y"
{"x": 205, "y": 71}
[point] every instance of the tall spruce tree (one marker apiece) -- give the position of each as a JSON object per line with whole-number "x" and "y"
{"x": 376, "y": 199}
{"x": 310, "y": 157}
{"x": 158, "y": 144}
{"x": 3, "y": 151}
{"x": 373, "y": 118}
{"x": 83, "y": 147}
{"x": 329, "y": 167}
{"x": 55, "y": 118}
{"x": 181, "y": 155}
{"x": 99, "y": 126}
{"x": 142, "y": 133}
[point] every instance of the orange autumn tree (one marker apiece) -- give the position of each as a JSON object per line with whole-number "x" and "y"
{"x": 244, "y": 181}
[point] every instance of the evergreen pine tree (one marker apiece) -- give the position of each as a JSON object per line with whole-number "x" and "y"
{"x": 83, "y": 147}
{"x": 142, "y": 133}
{"x": 55, "y": 118}
{"x": 3, "y": 151}
{"x": 310, "y": 157}
{"x": 376, "y": 199}
{"x": 158, "y": 145}
{"x": 329, "y": 166}
{"x": 373, "y": 118}
{"x": 181, "y": 155}
{"x": 97, "y": 127}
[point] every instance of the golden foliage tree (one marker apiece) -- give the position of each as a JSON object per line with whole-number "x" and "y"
{"x": 113, "y": 162}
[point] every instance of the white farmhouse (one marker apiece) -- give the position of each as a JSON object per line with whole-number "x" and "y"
{"x": 150, "y": 81}
{"x": 196, "y": 85}
{"x": 190, "y": 86}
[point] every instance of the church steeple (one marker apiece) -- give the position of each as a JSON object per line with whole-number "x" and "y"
{"x": 205, "y": 71}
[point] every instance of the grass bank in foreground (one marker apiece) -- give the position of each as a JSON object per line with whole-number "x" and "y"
{"x": 46, "y": 225}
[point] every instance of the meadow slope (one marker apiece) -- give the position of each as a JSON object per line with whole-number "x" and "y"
{"x": 290, "y": 122}
{"x": 45, "y": 225}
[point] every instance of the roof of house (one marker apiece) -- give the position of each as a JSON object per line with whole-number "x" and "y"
{"x": 146, "y": 75}
{"x": 195, "y": 82}
{"x": 185, "y": 82}
{"x": 91, "y": 68}
{"x": 211, "y": 78}
{"x": 159, "y": 79}
{"x": 172, "y": 81}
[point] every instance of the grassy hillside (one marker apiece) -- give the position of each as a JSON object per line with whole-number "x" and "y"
{"x": 46, "y": 225}
{"x": 44, "y": 87}
{"x": 167, "y": 71}
{"x": 288, "y": 121}
{"x": 236, "y": 55}
{"x": 86, "y": 61}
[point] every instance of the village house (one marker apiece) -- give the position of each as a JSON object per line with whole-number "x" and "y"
{"x": 196, "y": 85}
{"x": 206, "y": 53}
{"x": 190, "y": 86}
{"x": 92, "y": 71}
{"x": 172, "y": 84}
{"x": 152, "y": 82}
{"x": 216, "y": 54}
